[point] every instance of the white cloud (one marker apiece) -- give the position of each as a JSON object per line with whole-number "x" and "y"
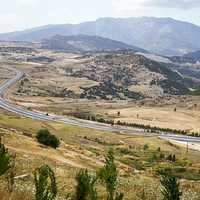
{"x": 181, "y": 4}
{"x": 148, "y": 4}
{"x": 121, "y": 5}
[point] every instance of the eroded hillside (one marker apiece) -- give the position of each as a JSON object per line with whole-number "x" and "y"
{"x": 104, "y": 76}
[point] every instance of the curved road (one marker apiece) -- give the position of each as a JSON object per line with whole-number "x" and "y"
{"x": 5, "y": 104}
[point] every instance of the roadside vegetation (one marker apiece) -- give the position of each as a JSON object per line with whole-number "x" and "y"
{"x": 195, "y": 92}
{"x": 147, "y": 128}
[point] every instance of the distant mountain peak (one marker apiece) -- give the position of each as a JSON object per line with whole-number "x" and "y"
{"x": 159, "y": 35}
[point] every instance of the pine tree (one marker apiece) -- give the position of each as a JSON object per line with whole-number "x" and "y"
{"x": 170, "y": 186}
{"x": 4, "y": 159}
{"x": 45, "y": 183}
{"x": 108, "y": 175}
{"x": 85, "y": 189}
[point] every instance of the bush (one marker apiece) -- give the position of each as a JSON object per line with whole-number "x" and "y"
{"x": 153, "y": 158}
{"x": 159, "y": 149}
{"x": 171, "y": 158}
{"x": 162, "y": 156}
{"x": 145, "y": 147}
{"x": 46, "y": 138}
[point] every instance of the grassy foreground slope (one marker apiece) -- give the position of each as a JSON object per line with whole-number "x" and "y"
{"x": 137, "y": 158}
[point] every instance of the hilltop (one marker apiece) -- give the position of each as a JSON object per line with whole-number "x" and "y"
{"x": 85, "y": 43}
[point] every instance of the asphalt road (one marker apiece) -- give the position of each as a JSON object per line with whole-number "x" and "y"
{"x": 5, "y": 104}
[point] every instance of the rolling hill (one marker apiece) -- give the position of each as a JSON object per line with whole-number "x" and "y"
{"x": 85, "y": 43}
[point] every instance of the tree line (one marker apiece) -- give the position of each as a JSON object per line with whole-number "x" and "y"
{"x": 148, "y": 128}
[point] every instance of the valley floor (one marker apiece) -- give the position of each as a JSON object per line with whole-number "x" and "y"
{"x": 41, "y": 88}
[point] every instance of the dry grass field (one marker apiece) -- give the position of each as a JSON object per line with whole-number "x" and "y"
{"x": 85, "y": 148}
{"x": 164, "y": 117}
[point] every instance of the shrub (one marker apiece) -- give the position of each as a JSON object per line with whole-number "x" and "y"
{"x": 174, "y": 158}
{"x": 145, "y": 147}
{"x": 159, "y": 149}
{"x": 153, "y": 158}
{"x": 162, "y": 156}
{"x": 46, "y": 138}
{"x": 126, "y": 151}
{"x": 171, "y": 158}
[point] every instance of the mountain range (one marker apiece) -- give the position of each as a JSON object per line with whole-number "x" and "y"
{"x": 192, "y": 57}
{"x": 159, "y": 35}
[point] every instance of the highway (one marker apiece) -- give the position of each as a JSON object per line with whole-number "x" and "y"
{"x": 9, "y": 106}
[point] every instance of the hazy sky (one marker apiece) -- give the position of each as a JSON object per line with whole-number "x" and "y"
{"x": 22, "y": 14}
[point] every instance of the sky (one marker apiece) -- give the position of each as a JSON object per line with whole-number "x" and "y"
{"x": 24, "y": 14}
